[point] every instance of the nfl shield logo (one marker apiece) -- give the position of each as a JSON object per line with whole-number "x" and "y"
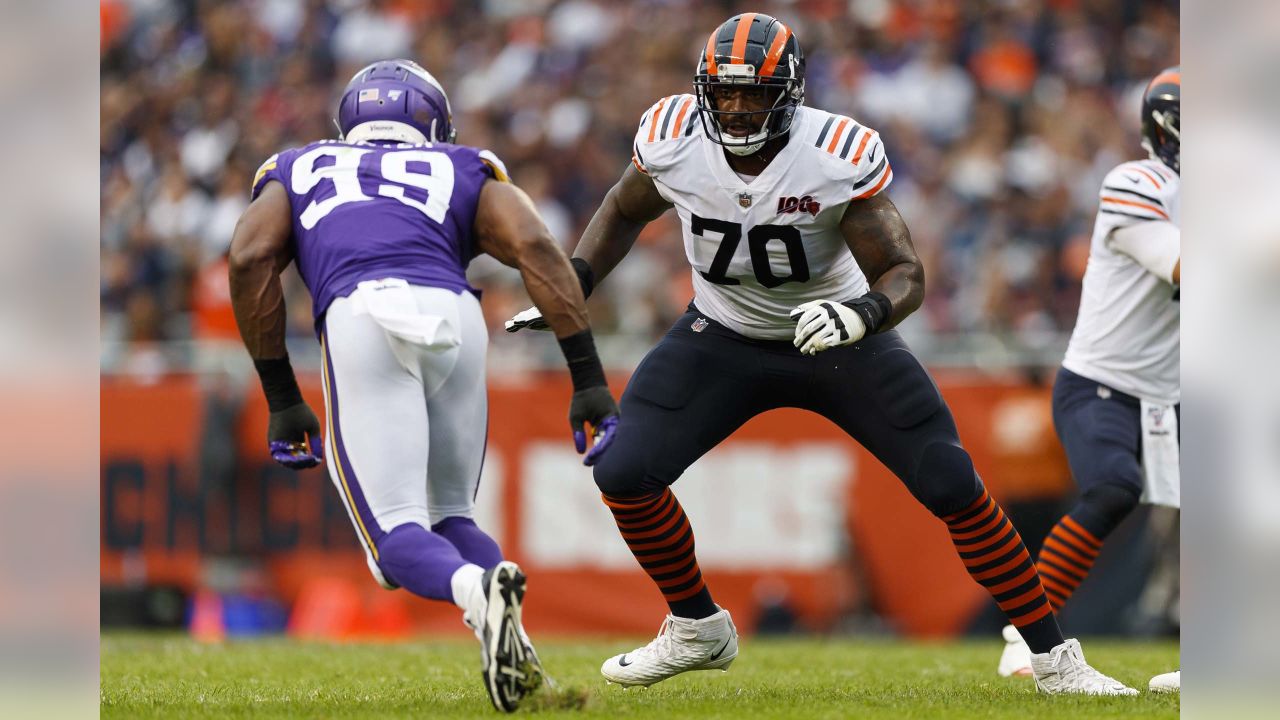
{"x": 699, "y": 325}
{"x": 744, "y": 199}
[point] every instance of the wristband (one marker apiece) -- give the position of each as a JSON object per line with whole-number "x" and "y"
{"x": 586, "y": 276}
{"x": 584, "y": 364}
{"x": 874, "y": 308}
{"x": 278, "y": 383}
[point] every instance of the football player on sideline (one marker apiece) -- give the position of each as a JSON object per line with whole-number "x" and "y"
{"x": 382, "y": 224}
{"x": 783, "y": 211}
{"x": 1116, "y": 399}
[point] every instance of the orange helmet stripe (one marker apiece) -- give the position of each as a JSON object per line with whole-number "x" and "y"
{"x": 1168, "y": 77}
{"x": 775, "y": 52}
{"x": 739, "y": 52}
{"x": 711, "y": 53}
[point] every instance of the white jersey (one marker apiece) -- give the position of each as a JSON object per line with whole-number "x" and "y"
{"x": 1127, "y": 333}
{"x": 760, "y": 247}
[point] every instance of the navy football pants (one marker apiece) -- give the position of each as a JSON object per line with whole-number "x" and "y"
{"x": 695, "y": 388}
{"x": 1101, "y": 430}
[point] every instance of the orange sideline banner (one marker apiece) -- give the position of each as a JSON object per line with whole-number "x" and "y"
{"x": 787, "y": 505}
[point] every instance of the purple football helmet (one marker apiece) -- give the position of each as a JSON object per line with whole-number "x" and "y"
{"x": 395, "y": 100}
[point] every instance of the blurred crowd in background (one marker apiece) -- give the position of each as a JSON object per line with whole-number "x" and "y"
{"x": 1000, "y": 118}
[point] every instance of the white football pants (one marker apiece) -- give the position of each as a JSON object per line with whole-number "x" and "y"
{"x": 405, "y": 406}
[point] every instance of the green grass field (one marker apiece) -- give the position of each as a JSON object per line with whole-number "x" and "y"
{"x": 170, "y": 676}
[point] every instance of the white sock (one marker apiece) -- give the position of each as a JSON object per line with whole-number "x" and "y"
{"x": 465, "y": 584}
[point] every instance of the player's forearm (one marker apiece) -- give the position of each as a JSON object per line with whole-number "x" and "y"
{"x": 608, "y": 238}
{"x": 553, "y": 286}
{"x": 257, "y": 297}
{"x": 903, "y": 285}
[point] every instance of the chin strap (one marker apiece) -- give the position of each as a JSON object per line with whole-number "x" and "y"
{"x": 750, "y": 144}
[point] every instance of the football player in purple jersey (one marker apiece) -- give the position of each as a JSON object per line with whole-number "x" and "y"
{"x": 382, "y": 224}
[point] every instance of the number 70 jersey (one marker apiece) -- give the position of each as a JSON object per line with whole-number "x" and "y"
{"x": 760, "y": 247}
{"x": 369, "y": 211}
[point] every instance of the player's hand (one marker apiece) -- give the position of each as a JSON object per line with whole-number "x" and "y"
{"x": 293, "y": 436}
{"x": 531, "y": 319}
{"x": 824, "y": 324}
{"x": 593, "y": 406}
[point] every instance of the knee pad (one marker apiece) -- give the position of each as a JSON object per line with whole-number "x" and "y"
{"x": 1103, "y": 507}
{"x": 945, "y": 481}
{"x": 623, "y": 479}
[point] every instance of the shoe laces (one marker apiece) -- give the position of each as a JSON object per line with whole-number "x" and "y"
{"x": 1076, "y": 669}
{"x": 660, "y": 646}
{"x": 1074, "y": 656}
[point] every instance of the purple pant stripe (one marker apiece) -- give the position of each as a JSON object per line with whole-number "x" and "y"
{"x": 348, "y": 474}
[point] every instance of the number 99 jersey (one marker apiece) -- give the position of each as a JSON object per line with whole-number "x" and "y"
{"x": 376, "y": 210}
{"x": 760, "y": 247}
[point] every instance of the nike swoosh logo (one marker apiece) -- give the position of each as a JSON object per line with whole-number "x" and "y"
{"x": 1133, "y": 179}
{"x": 719, "y": 652}
{"x": 623, "y": 661}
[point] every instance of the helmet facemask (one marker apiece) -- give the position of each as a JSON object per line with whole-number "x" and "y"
{"x": 788, "y": 94}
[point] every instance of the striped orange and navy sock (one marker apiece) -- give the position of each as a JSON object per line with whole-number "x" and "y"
{"x": 994, "y": 555}
{"x": 658, "y": 533}
{"x": 1065, "y": 559}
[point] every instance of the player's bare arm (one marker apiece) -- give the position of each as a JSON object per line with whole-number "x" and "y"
{"x": 879, "y": 240}
{"x": 628, "y": 207}
{"x": 260, "y": 250}
{"x": 508, "y": 227}
{"x": 881, "y": 243}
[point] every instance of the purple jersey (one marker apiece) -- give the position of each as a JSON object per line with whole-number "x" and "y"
{"x": 368, "y": 211}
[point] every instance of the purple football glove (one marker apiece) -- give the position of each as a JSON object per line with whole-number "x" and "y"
{"x": 603, "y": 438}
{"x": 288, "y": 433}
{"x": 593, "y": 406}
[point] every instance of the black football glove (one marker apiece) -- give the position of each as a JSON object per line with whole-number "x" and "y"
{"x": 293, "y": 435}
{"x": 593, "y": 406}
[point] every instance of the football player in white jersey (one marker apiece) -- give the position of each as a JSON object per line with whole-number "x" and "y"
{"x": 801, "y": 268}
{"x": 1116, "y": 399}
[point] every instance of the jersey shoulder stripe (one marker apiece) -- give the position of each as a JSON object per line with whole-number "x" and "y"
{"x": 496, "y": 166}
{"x": 1136, "y": 190}
{"x": 666, "y": 119}
{"x": 842, "y": 137}
{"x": 857, "y": 155}
{"x": 267, "y": 166}
{"x": 672, "y": 118}
{"x": 1132, "y": 208}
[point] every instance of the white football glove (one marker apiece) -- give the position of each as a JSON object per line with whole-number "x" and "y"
{"x": 824, "y": 324}
{"x": 531, "y": 319}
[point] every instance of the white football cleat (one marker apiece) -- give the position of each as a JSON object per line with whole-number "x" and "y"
{"x": 1063, "y": 671}
{"x": 510, "y": 667}
{"x": 1016, "y": 657}
{"x": 1170, "y": 682}
{"x": 682, "y": 645}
